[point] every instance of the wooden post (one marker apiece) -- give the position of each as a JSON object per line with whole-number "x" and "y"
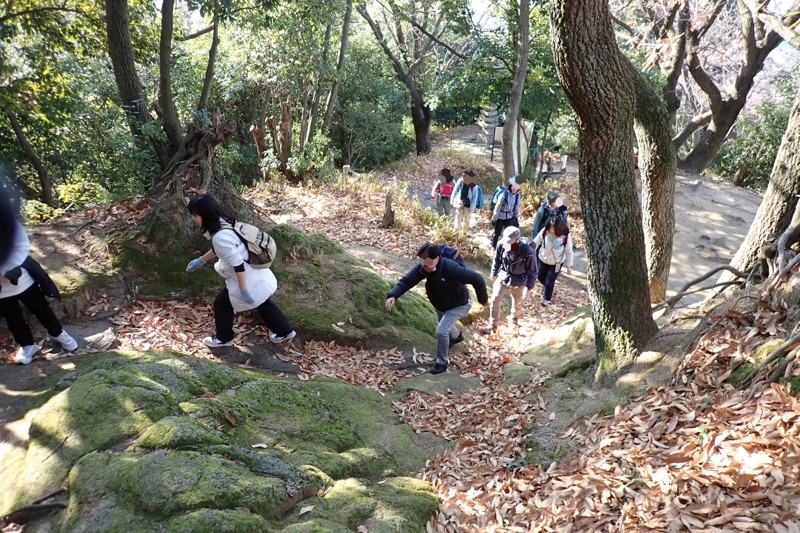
{"x": 388, "y": 212}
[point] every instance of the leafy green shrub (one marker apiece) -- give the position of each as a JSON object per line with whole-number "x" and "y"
{"x": 36, "y": 212}
{"x": 82, "y": 194}
{"x": 317, "y": 159}
{"x": 747, "y": 159}
{"x": 238, "y": 162}
{"x": 564, "y": 133}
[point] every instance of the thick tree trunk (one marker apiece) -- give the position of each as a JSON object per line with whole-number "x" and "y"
{"x": 133, "y": 96}
{"x": 657, "y": 162}
{"x": 331, "y": 103}
{"x": 421, "y": 116}
{"x": 317, "y": 97}
{"x": 30, "y": 154}
{"x": 776, "y": 209}
{"x": 172, "y": 126}
{"x": 202, "y": 104}
{"x": 601, "y": 93}
{"x": 517, "y": 87}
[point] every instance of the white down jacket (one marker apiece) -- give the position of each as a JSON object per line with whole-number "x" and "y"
{"x": 232, "y": 252}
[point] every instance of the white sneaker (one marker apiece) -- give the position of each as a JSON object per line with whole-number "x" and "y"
{"x": 25, "y": 354}
{"x": 545, "y": 302}
{"x": 67, "y": 342}
{"x": 277, "y": 340}
{"x": 214, "y": 342}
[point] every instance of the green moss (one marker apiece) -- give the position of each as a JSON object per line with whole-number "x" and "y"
{"x": 317, "y": 525}
{"x": 162, "y": 274}
{"x": 394, "y": 504}
{"x": 516, "y": 374}
{"x": 794, "y": 384}
{"x": 606, "y": 408}
{"x": 166, "y": 482}
{"x": 177, "y": 432}
{"x": 544, "y": 454}
{"x": 218, "y": 521}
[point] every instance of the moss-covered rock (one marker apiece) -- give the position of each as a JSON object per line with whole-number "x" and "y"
{"x": 170, "y": 443}
{"x": 320, "y": 286}
{"x": 550, "y": 349}
{"x": 394, "y": 504}
{"x": 759, "y": 354}
{"x": 515, "y": 373}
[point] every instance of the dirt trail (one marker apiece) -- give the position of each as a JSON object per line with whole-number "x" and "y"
{"x": 712, "y": 217}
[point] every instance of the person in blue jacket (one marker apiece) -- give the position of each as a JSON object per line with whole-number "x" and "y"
{"x": 446, "y": 286}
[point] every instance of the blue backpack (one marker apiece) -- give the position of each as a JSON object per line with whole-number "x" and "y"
{"x": 479, "y": 192}
{"x": 496, "y": 197}
{"x": 451, "y": 253}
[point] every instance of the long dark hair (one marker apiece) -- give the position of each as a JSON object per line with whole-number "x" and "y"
{"x": 207, "y": 208}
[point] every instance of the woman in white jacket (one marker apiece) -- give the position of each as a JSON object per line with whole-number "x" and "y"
{"x": 17, "y": 285}
{"x": 555, "y": 250}
{"x": 245, "y": 287}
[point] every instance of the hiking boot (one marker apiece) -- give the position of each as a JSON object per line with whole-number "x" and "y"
{"x": 66, "y": 341}
{"x": 214, "y": 342}
{"x": 25, "y": 354}
{"x": 436, "y": 368}
{"x": 277, "y": 340}
{"x": 545, "y": 302}
{"x": 458, "y": 339}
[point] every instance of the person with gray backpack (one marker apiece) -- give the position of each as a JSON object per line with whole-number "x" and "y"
{"x": 244, "y": 259}
{"x": 514, "y": 271}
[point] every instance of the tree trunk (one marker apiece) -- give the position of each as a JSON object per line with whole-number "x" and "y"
{"x": 421, "y": 116}
{"x": 305, "y": 114}
{"x": 285, "y": 136}
{"x": 331, "y": 103}
{"x": 541, "y": 146}
{"x": 517, "y": 87}
{"x": 41, "y": 170}
{"x": 315, "y": 99}
{"x": 212, "y": 58}
{"x": 776, "y": 209}
{"x": 657, "y": 162}
{"x": 133, "y": 96}
{"x": 601, "y": 93}
{"x": 172, "y": 126}
{"x": 712, "y": 137}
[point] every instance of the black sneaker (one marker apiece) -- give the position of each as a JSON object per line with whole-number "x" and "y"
{"x": 436, "y": 368}
{"x": 458, "y": 339}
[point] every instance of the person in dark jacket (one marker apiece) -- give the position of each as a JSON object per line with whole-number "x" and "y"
{"x": 446, "y": 286}
{"x": 513, "y": 271}
{"x": 19, "y": 284}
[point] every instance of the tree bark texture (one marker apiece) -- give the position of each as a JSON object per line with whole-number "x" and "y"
{"x": 601, "y": 93}
{"x": 317, "y": 97}
{"x": 332, "y": 96}
{"x": 41, "y": 171}
{"x": 421, "y": 117}
{"x": 517, "y": 87}
{"x": 657, "y": 163}
{"x": 780, "y": 199}
{"x": 133, "y": 96}
{"x": 172, "y": 126}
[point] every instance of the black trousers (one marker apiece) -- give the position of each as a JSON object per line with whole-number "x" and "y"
{"x": 499, "y": 226}
{"x": 547, "y": 276}
{"x": 33, "y": 298}
{"x": 272, "y": 315}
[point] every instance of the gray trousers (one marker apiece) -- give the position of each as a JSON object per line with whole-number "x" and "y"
{"x": 443, "y": 207}
{"x": 446, "y": 329}
{"x": 499, "y": 291}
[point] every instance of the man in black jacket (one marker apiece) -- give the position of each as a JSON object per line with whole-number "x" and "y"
{"x": 514, "y": 270}
{"x": 446, "y": 286}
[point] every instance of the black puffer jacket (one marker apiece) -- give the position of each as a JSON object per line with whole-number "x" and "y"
{"x": 446, "y": 286}
{"x": 516, "y": 267}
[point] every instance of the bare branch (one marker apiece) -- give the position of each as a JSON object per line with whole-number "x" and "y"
{"x": 711, "y": 19}
{"x": 691, "y": 127}
{"x": 437, "y": 40}
{"x": 398, "y": 67}
{"x": 703, "y": 79}
{"x": 774, "y": 23}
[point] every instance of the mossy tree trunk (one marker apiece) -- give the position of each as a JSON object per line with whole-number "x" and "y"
{"x": 657, "y": 163}
{"x": 776, "y": 209}
{"x": 602, "y": 94}
{"x": 194, "y": 171}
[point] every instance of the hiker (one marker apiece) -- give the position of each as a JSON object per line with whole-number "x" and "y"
{"x": 555, "y": 250}
{"x": 513, "y": 271}
{"x": 552, "y": 206}
{"x": 506, "y": 209}
{"x": 23, "y": 280}
{"x": 245, "y": 287}
{"x": 466, "y": 198}
{"x": 446, "y": 286}
{"x": 442, "y": 189}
